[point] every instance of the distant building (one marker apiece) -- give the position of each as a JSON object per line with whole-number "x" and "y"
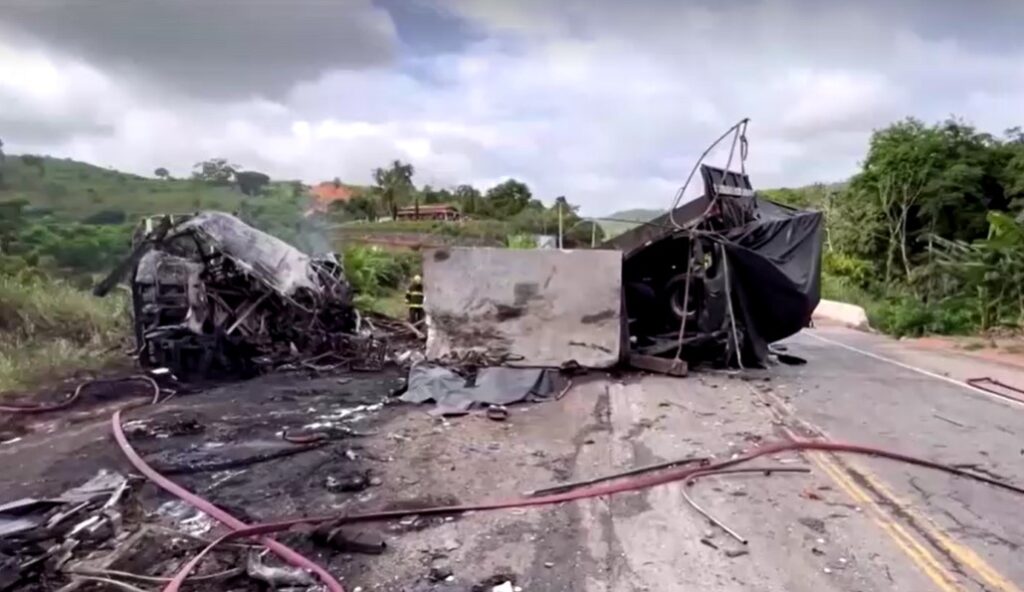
{"x": 328, "y": 192}
{"x": 429, "y": 212}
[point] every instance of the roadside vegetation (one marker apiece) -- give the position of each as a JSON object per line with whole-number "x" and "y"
{"x": 929, "y": 235}
{"x": 379, "y": 277}
{"x": 48, "y": 327}
{"x": 509, "y": 208}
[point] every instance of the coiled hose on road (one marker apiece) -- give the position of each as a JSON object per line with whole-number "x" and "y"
{"x": 631, "y": 483}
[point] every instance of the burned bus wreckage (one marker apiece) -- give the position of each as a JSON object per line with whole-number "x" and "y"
{"x": 212, "y": 295}
{"x": 718, "y": 279}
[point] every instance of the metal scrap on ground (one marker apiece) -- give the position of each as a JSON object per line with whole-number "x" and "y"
{"x": 212, "y": 295}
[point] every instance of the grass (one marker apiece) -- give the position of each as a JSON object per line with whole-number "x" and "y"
{"x": 492, "y": 230}
{"x": 68, "y": 190}
{"x": 48, "y": 328}
{"x": 380, "y": 276}
{"x": 390, "y": 303}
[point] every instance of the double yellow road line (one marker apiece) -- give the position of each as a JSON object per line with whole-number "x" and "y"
{"x": 943, "y": 575}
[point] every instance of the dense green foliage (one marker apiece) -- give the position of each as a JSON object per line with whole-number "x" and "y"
{"x": 505, "y": 209}
{"x": 71, "y": 191}
{"x": 48, "y": 326}
{"x": 928, "y": 235}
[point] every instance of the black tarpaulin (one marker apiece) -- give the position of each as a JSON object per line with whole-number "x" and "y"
{"x": 775, "y": 276}
{"x": 754, "y": 270}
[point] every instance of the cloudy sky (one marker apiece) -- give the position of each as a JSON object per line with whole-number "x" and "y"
{"x": 604, "y": 101}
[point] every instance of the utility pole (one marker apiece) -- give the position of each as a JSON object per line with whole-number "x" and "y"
{"x": 593, "y": 234}
{"x": 559, "y": 202}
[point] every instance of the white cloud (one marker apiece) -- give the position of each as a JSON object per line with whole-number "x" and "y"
{"x": 596, "y": 101}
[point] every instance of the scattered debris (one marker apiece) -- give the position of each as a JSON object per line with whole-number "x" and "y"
{"x": 497, "y": 413}
{"x": 70, "y": 400}
{"x": 995, "y": 387}
{"x": 562, "y": 487}
{"x": 276, "y": 577}
{"x": 948, "y": 420}
{"x": 352, "y": 482}
{"x": 667, "y": 366}
{"x": 493, "y": 386}
{"x": 734, "y": 553}
{"x": 348, "y": 539}
{"x": 811, "y": 495}
{"x": 79, "y": 519}
{"x": 212, "y": 295}
{"x": 499, "y": 581}
{"x": 440, "y": 573}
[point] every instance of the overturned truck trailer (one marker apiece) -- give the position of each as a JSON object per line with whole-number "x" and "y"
{"x": 212, "y": 295}
{"x": 721, "y": 277}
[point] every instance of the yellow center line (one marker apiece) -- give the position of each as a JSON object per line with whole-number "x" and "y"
{"x": 962, "y": 553}
{"x": 920, "y": 556}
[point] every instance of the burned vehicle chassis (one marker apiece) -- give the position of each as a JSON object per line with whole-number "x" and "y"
{"x": 213, "y": 296}
{"x": 721, "y": 277}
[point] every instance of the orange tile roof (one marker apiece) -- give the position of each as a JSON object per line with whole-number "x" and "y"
{"x": 326, "y": 193}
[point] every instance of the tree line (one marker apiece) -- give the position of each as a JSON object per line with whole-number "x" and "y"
{"x": 511, "y": 201}
{"x": 930, "y": 231}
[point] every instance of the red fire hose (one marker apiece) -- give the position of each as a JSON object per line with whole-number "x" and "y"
{"x": 629, "y": 484}
{"x": 47, "y": 407}
{"x": 281, "y": 550}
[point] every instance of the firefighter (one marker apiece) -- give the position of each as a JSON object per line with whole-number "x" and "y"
{"x": 414, "y": 300}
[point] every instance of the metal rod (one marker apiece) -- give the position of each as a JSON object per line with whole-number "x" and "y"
{"x": 716, "y": 521}
{"x": 635, "y": 471}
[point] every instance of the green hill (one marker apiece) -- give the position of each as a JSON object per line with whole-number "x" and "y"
{"x": 71, "y": 191}
{"x": 619, "y": 222}
{"x": 75, "y": 218}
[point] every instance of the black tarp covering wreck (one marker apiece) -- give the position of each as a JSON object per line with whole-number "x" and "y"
{"x": 721, "y": 277}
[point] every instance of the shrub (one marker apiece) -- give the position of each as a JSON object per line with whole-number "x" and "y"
{"x": 39, "y": 307}
{"x": 853, "y": 270}
{"x": 107, "y": 217}
{"x": 372, "y": 271}
{"x": 47, "y": 328}
{"x": 521, "y": 241}
{"x": 909, "y": 316}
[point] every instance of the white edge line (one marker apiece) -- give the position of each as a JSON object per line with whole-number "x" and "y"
{"x": 915, "y": 369}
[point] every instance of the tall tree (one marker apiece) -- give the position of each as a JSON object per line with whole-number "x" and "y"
{"x": 508, "y": 198}
{"x": 11, "y": 222}
{"x": 469, "y": 199}
{"x": 436, "y": 196}
{"x": 36, "y": 162}
{"x": 897, "y": 171}
{"x": 394, "y": 185}
{"x": 162, "y": 173}
{"x": 251, "y": 182}
{"x": 215, "y": 170}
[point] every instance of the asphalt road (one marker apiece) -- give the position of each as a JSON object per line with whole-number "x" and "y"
{"x": 849, "y": 524}
{"x": 852, "y": 524}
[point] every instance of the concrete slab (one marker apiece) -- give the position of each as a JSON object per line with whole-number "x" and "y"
{"x": 843, "y": 313}
{"x": 541, "y": 307}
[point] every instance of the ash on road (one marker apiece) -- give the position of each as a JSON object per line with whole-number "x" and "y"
{"x": 851, "y": 524}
